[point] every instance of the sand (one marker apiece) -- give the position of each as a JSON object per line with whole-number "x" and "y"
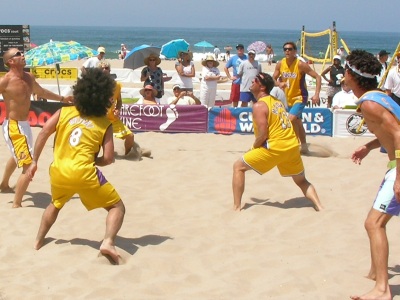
{"x": 182, "y": 240}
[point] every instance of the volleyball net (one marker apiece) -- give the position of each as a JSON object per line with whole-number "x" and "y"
{"x": 319, "y": 46}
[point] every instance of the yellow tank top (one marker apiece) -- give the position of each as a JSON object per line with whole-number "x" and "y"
{"x": 281, "y": 133}
{"x": 76, "y": 145}
{"x": 110, "y": 112}
{"x": 296, "y": 91}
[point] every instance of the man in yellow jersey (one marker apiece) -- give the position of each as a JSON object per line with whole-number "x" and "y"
{"x": 81, "y": 132}
{"x": 290, "y": 76}
{"x": 119, "y": 129}
{"x": 275, "y": 144}
{"x": 17, "y": 86}
{"x": 382, "y": 115}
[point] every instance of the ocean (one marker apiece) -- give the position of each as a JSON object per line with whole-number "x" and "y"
{"x": 112, "y": 37}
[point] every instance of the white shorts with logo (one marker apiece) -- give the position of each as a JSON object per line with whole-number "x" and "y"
{"x": 385, "y": 200}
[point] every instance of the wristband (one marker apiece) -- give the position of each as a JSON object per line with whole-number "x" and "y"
{"x": 397, "y": 153}
{"x": 62, "y": 99}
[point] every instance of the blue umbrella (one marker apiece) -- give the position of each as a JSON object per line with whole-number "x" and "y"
{"x": 135, "y": 58}
{"x": 172, "y": 48}
{"x": 204, "y": 44}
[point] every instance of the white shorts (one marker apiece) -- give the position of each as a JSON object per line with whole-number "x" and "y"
{"x": 19, "y": 140}
{"x": 385, "y": 200}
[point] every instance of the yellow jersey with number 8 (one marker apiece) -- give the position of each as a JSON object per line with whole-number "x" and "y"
{"x": 77, "y": 143}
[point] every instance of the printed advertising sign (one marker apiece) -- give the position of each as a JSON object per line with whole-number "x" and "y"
{"x": 316, "y": 121}
{"x": 14, "y": 36}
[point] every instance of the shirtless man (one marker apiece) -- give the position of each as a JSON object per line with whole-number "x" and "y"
{"x": 17, "y": 86}
{"x": 382, "y": 116}
{"x": 289, "y": 75}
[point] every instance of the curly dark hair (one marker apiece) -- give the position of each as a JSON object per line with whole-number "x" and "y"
{"x": 92, "y": 93}
{"x": 367, "y": 63}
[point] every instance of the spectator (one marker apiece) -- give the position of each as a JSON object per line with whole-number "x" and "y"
{"x": 392, "y": 83}
{"x": 234, "y": 63}
{"x": 94, "y": 61}
{"x": 382, "y": 57}
{"x": 123, "y": 51}
{"x": 182, "y": 97}
{"x": 344, "y": 98}
{"x": 186, "y": 70}
{"x": 152, "y": 74}
{"x": 217, "y": 52}
{"x": 270, "y": 54}
{"x": 248, "y": 70}
{"x": 336, "y": 73}
{"x": 208, "y": 86}
{"x": 148, "y": 95}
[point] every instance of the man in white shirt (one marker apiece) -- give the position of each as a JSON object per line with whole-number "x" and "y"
{"x": 343, "y": 98}
{"x": 182, "y": 97}
{"x": 392, "y": 83}
{"x": 94, "y": 61}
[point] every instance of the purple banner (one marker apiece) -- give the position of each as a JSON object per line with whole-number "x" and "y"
{"x": 165, "y": 118}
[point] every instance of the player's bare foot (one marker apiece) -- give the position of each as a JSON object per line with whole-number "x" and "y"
{"x": 38, "y": 244}
{"x": 6, "y": 190}
{"x": 110, "y": 251}
{"x": 375, "y": 294}
{"x": 16, "y": 205}
{"x": 237, "y": 207}
{"x": 318, "y": 206}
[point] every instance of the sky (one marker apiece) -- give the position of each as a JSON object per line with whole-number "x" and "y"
{"x": 315, "y": 15}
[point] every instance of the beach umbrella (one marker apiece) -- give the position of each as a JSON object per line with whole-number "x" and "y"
{"x": 257, "y": 46}
{"x": 172, "y": 48}
{"x": 135, "y": 58}
{"x": 204, "y": 45}
{"x": 54, "y": 53}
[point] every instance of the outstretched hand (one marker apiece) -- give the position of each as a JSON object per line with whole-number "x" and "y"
{"x": 31, "y": 170}
{"x": 359, "y": 154}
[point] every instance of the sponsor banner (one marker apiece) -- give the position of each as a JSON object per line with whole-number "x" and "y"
{"x": 347, "y": 122}
{"x": 39, "y": 112}
{"x": 13, "y": 36}
{"x": 229, "y": 120}
{"x": 50, "y": 73}
{"x": 165, "y": 118}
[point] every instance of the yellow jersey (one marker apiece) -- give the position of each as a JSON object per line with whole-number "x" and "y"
{"x": 281, "y": 134}
{"x": 296, "y": 90}
{"x": 76, "y": 145}
{"x": 110, "y": 112}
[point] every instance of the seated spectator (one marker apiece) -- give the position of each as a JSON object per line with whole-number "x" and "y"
{"x": 148, "y": 95}
{"x": 343, "y": 98}
{"x": 182, "y": 97}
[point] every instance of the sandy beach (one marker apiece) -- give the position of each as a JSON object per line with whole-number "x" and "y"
{"x": 181, "y": 239}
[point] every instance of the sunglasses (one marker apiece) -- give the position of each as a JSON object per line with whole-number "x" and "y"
{"x": 152, "y": 59}
{"x": 148, "y": 90}
{"x": 287, "y": 49}
{"x": 19, "y": 53}
{"x": 106, "y": 68}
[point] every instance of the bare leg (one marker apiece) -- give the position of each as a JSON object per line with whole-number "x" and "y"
{"x": 238, "y": 182}
{"x": 114, "y": 221}
{"x": 300, "y": 132}
{"x": 129, "y": 141}
{"x": 48, "y": 219}
{"x": 22, "y": 185}
{"x": 308, "y": 190}
{"x": 375, "y": 224}
{"x": 329, "y": 104}
{"x": 10, "y": 168}
{"x": 235, "y": 103}
{"x": 244, "y": 104}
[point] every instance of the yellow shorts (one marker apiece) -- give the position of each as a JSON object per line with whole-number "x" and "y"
{"x": 102, "y": 196}
{"x": 262, "y": 160}
{"x": 18, "y": 137}
{"x": 120, "y": 130}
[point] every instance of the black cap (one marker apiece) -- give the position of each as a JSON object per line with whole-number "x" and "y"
{"x": 383, "y": 52}
{"x": 239, "y": 46}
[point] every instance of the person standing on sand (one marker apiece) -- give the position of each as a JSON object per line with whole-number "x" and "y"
{"x": 234, "y": 63}
{"x": 17, "y": 86}
{"x": 290, "y": 75}
{"x": 382, "y": 116}
{"x": 275, "y": 145}
{"x": 81, "y": 132}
